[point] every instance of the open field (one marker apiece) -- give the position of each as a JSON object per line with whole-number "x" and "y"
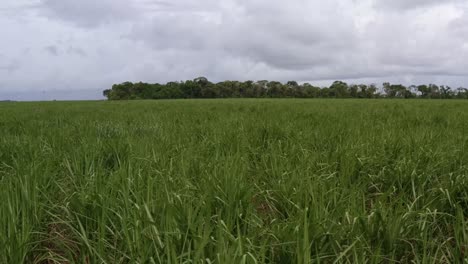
{"x": 234, "y": 181}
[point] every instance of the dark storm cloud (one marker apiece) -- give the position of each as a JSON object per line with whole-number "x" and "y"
{"x": 110, "y": 41}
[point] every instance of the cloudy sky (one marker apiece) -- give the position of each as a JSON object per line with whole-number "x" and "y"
{"x": 69, "y": 49}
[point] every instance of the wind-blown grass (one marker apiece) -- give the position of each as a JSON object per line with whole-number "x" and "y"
{"x": 234, "y": 181}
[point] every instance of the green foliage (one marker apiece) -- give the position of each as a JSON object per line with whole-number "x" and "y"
{"x": 234, "y": 181}
{"x": 202, "y": 88}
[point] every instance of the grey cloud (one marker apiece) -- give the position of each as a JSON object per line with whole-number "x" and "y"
{"x": 111, "y": 41}
{"x": 52, "y": 50}
{"x": 76, "y": 51}
{"x": 43, "y": 95}
{"x": 416, "y": 43}
{"x": 409, "y": 4}
{"x": 9, "y": 66}
{"x": 458, "y": 28}
{"x": 87, "y": 13}
{"x": 281, "y": 37}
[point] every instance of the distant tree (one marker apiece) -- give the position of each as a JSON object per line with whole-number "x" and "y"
{"x": 263, "y": 84}
{"x": 202, "y": 88}
{"x": 202, "y": 81}
{"x": 362, "y": 91}
{"x": 191, "y": 89}
{"x": 107, "y": 93}
{"x": 141, "y": 90}
{"x": 209, "y": 91}
{"x": 339, "y": 89}
{"x": 462, "y": 93}
{"x": 274, "y": 89}
{"x": 248, "y": 89}
{"x": 446, "y": 92}
{"x": 260, "y": 88}
{"x": 389, "y": 92}
{"x": 292, "y": 84}
{"x": 121, "y": 91}
{"x": 354, "y": 90}
{"x": 424, "y": 90}
{"x": 434, "y": 91}
{"x": 311, "y": 91}
{"x": 325, "y": 93}
{"x": 172, "y": 90}
{"x": 396, "y": 90}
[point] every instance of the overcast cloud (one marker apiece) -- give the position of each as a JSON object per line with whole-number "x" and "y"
{"x": 68, "y": 49}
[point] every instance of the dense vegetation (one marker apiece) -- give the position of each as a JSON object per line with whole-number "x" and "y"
{"x": 202, "y": 88}
{"x": 234, "y": 181}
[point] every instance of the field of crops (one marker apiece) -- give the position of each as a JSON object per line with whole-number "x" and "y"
{"x": 234, "y": 181}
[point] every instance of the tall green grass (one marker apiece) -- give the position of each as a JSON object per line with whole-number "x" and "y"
{"x": 234, "y": 181}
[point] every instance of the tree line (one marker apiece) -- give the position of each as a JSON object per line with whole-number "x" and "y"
{"x": 201, "y": 87}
